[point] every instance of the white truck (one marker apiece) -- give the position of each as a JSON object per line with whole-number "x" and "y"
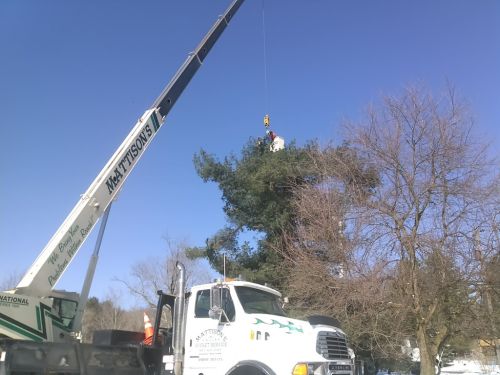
{"x": 232, "y": 328}
{"x": 238, "y": 327}
{"x": 34, "y": 310}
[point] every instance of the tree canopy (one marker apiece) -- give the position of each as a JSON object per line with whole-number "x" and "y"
{"x": 402, "y": 260}
{"x": 257, "y": 192}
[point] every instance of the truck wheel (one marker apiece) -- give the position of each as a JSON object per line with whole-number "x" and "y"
{"x": 251, "y": 368}
{"x": 247, "y": 370}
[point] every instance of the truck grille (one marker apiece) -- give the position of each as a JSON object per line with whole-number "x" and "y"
{"x": 332, "y": 345}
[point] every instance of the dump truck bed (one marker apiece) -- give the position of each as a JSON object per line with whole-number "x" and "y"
{"x": 26, "y": 357}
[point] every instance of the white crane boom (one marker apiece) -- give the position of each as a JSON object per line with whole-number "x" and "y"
{"x": 48, "y": 267}
{"x": 54, "y": 259}
{"x": 34, "y": 310}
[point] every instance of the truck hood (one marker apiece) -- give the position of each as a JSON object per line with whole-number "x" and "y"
{"x": 289, "y": 338}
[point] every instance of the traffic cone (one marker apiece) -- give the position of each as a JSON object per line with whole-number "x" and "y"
{"x": 148, "y": 330}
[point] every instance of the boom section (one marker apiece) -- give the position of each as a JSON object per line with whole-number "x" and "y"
{"x": 49, "y": 266}
{"x": 178, "y": 83}
{"x": 54, "y": 259}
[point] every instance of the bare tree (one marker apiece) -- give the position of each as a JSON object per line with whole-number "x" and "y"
{"x": 10, "y": 281}
{"x": 107, "y": 314}
{"x": 487, "y": 282}
{"x": 401, "y": 256}
{"x": 149, "y": 276}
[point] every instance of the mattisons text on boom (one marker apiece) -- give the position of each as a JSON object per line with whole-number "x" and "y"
{"x": 129, "y": 158}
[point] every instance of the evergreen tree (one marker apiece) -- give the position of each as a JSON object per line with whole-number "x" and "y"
{"x": 257, "y": 190}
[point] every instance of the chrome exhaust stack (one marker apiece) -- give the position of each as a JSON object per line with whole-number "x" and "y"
{"x": 179, "y": 326}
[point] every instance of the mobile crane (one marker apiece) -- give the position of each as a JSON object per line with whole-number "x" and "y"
{"x": 227, "y": 327}
{"x": 34, "y": 310}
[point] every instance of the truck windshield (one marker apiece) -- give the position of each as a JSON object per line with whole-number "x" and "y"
{"x": 256, "y": 301}
{"x": 66, "y": 309}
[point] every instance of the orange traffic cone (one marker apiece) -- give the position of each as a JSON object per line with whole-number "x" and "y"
{"x": 148, "y": 330}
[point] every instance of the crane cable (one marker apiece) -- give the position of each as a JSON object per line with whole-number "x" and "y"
{"x": 266, "y": 83}
{"x": 276, "y": 142}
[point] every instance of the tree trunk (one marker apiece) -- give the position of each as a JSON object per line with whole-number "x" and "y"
{"x": 427, "y": 353}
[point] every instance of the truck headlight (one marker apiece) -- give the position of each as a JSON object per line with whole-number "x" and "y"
{"x": 302, "y": 369}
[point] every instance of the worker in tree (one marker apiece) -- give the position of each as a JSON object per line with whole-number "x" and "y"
{"x": 271, "y": 135}
{"x": 277, "y": 143}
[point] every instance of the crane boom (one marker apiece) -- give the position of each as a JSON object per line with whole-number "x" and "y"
{"x": 54, "y": 259}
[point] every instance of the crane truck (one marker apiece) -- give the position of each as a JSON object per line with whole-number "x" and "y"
{"x": 226, "y": 327}
{"x": 34, "y": 310}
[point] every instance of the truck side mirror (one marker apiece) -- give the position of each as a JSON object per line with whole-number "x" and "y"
{"x": 285, "y": 302}
{"x": 215, "y": 311}
{"x": 216, "y": 297}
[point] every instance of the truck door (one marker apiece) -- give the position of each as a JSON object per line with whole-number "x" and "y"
{"x": 208, "y": 336}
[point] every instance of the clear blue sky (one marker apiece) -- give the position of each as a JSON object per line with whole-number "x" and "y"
{"x": 75, "y": 76}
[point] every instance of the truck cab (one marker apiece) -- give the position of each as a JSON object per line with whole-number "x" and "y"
{"x": 238, "y": 327}
{"x": 50, "y": 318}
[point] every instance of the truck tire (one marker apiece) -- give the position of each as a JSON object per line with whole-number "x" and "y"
{"x": 250, "y": 368}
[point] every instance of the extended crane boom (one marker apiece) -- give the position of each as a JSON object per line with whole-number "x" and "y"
{"x": 58, "y": 253}
{"x": 54, "y": 259}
